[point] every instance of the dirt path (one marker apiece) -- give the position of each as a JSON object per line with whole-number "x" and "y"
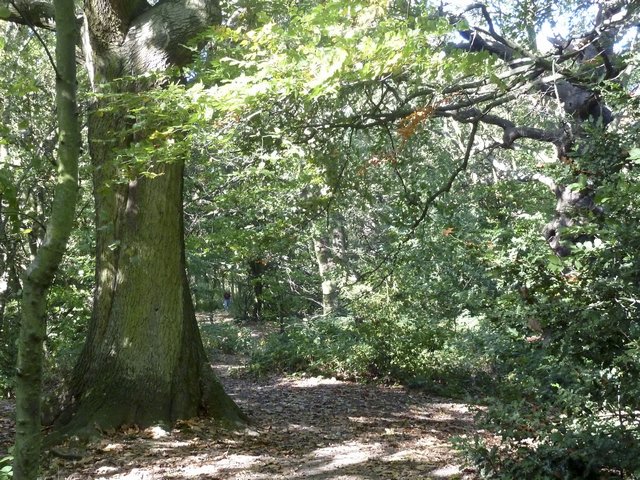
{"x": 302, "y": 428}
{"x": 328, "y": 429}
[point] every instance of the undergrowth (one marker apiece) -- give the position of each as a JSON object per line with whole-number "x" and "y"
{"x": 404, "y": 351}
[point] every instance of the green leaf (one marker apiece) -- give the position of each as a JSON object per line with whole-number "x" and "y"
{"x": 555, "y": 263}
{"x": 579, "y": 185}
{"x": 634, "y": 154}
{"x": 4, "y": 12}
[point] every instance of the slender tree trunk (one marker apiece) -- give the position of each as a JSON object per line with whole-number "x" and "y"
{"x": 257, "y": 268}
{"x": 326, "y": 267}
{"x": 330, "y": 249}
{"x": 39, "y": 275}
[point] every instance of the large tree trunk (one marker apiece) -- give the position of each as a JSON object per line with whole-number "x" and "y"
{"x": 143, "y": 361}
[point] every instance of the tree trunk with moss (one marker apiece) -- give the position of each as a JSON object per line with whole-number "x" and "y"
{"x": 40, "y": 273}
{"x": 143, "y": 361}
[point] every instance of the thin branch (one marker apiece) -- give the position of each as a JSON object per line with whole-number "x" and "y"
{"x": 40, "y": 39}
{"x": 485, "y": 14}
{"x": 447, "y": 186}
{"x": 393, "y": 163}
{"x": 392, "y": 258}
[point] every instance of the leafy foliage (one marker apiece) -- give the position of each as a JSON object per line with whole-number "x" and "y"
{"x": 566, "y": 360}
{"x": 6, "y": 470}
{"x": 387, "y": 349}
{"x": 373, "y": 122}
{"x": 227, "y": 338}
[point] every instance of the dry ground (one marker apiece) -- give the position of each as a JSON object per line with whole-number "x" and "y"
{"x": 302, "y": 428}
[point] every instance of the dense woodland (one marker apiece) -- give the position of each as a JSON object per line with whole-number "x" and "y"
{"x": 438, "y": 195}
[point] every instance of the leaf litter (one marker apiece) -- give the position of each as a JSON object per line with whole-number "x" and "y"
{"x": 301, "y": 428}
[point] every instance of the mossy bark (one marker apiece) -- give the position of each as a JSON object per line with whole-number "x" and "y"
{"x": 330, "y": 250}
{"x": 143, "y": 361}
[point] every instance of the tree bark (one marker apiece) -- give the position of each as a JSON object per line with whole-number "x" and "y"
{"x": 143, "y": 361}
{"x": 326, "y": 268}
{"x": 41, "y": 271}
{"x": 257, "y": 268}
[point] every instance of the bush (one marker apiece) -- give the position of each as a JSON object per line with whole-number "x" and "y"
{"x": 568, "y": 395}
{"x": 396, "y": 349}
{"x": 228, "y": 338}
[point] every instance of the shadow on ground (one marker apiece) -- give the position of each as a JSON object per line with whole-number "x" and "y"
{"x": 302, "y": 428}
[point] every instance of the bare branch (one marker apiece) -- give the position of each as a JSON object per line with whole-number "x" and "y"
{"x": 538, "y": 177}
{"x": 545, "y": 180}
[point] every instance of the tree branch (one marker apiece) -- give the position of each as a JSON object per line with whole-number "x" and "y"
{"x": 578, "y": 100}
{"x": 447, "y": 186}
{"x": 34, "y": 13}
{"x": 35, "y": 32}
{"x": 158, "y": 36}
{"x": 547, "y": 181}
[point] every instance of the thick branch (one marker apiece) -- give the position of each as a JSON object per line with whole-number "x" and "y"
{"x": 157, "y": 38}
{"x": 31, "y": 13}
{"x": 109, "y": 20}
{"x": 547, "y": 181}
{"x": 511, "y": 132}
{"x": 577, "y": 100}
{"x": 127, "y": 10}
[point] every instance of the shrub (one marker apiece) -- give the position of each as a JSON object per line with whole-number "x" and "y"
{"x": 6, "y": 470}
{"x": 399, "y": 349}
{"x": 228, "y": 338}
{"x": 567, "y": 398}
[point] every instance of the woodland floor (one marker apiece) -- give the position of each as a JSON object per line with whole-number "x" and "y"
{"x": 302, "y": 428}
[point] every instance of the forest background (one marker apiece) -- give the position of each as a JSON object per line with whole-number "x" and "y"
{"x": 418, "y": 193}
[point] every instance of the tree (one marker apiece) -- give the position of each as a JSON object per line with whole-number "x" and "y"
{"x": 40, "y": 273}
{"x": 143, "y": 360}
{"x": 142, "y": 302}
{"x": 399, "y": 80}
{"x": 27, "y": 163}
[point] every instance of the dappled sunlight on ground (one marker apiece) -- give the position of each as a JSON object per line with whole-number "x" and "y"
{"x": 301, "y": 428}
